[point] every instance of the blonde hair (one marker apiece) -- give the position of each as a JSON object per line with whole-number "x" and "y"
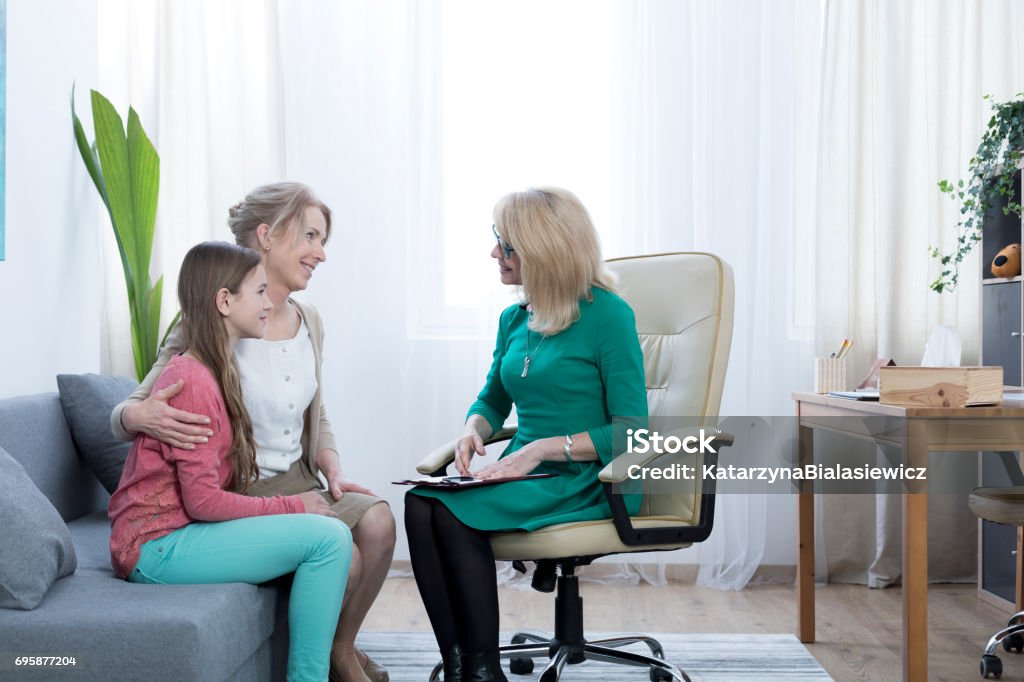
{"x": 209, "y": 267}
{"x": 559, "y": 252}
{"x": 278, "y": 206}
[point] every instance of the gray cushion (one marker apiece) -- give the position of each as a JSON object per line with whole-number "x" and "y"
{"x": 35, "y": 545}
{"x": 88, "y": 400}
{"x": 157, "y": 632}
{"x": 34, "y": 431}
{"x": 119, "y": 630}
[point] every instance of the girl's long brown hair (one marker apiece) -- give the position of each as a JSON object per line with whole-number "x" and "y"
{"x": 209, "y": 267}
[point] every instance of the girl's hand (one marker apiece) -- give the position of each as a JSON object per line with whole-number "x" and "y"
{"x": 155, "y": 418}
{"x": 519, "y": 463}
{"x": 314, "y": 503}
{"x": 465, "y": 448}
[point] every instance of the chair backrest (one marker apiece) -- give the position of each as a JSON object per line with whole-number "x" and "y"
{"x": 683, "y": 303}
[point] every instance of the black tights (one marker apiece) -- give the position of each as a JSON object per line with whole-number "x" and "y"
{"x": 455, "y": 574}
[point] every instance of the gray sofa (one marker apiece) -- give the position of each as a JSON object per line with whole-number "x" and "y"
{"x": 118, "y": 630}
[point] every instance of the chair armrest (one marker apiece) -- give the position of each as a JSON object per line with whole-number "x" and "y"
{"x": 665, "y": 535}
{"x": 616, "y": 470}
{"x": 438, "y": 460}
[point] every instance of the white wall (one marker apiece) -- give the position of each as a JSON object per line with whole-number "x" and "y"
{"x": 49, "y": 282}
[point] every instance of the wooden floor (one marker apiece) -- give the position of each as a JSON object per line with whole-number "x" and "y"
{"x": 858, "y": 628}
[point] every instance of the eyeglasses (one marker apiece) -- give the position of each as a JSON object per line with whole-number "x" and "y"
{"x": 502, "y": 244}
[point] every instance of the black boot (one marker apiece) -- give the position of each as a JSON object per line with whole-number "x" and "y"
{"x": 485, "y": 667}
{"x": 452, "y": 664}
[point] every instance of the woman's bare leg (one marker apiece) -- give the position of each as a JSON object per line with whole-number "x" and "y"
{"x": 374, "y": 540}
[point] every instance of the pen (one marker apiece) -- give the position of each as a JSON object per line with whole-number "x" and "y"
{"x": 847, "y": 345}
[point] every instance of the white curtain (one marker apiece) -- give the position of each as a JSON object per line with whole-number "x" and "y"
{"x": 206, "y": 80}
{"x": 341, "y": 96}
{"x": 717, "y": 104}
{"x": 902, "y": 108}
{"x": 682, "y": 125}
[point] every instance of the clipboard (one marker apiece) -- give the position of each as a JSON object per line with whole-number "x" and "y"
{"x": 460, "y": 482}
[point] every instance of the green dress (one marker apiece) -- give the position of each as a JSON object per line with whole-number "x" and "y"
{"x": 577, "y": 381}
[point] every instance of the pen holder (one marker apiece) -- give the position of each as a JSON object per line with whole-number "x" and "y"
{"x": 829, "y": 375}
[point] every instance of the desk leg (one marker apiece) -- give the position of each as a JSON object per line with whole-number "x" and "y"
{"x": 915, "y": 571}
{"x": 805, "y": 542}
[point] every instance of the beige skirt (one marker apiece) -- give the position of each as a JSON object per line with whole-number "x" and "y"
{"x": 350, "y": 508}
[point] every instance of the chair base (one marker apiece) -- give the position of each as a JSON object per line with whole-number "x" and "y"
{"x": 1012, "y": 639}
{"x": 560, "y": 654}
{"x": 568, "y": 646}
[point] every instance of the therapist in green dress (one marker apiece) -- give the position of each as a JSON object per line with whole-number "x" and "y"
{"x": 569, "y": 359}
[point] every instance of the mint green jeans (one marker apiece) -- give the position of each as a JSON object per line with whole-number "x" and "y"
{"x": 257, "y": 549}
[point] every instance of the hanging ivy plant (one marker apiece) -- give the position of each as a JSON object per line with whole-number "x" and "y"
{"x": 991, "y": 185}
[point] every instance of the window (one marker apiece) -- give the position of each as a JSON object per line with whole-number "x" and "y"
{"x": 525, "y": 100}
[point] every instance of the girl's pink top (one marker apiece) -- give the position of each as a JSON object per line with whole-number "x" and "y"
{"x": 164, "y": 488}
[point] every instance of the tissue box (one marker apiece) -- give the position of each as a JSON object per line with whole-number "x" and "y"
{"x": 940, "y": 386}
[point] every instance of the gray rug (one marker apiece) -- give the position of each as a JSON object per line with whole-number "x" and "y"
{"x": 410, "y": 656}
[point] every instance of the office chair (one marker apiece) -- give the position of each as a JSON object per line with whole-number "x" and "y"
{"x": 1001, "y": 505}
{"x": 683, "y": 303}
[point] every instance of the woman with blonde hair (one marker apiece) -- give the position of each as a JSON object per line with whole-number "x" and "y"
{"x": 283, "y": 391}
{"x": 568, "y": 357}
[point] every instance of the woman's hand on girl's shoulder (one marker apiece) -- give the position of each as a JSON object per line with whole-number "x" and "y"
{"x": 314, "y": 503}
{"x": 156, "y": 418}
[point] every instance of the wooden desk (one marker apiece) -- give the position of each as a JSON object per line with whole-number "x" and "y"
{"x": 916, "y": 431}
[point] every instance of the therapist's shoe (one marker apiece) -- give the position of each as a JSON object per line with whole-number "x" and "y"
{"x": 452, "y": 664}
{"x": 485, "y": 667}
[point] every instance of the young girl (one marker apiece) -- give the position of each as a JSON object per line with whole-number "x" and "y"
{"x": 176, "y": 515}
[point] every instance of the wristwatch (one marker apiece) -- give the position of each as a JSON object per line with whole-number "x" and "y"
{"x": 567, "y": 448}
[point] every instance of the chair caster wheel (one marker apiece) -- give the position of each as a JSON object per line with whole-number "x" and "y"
{"x": 549, "y": 676}
{"x": 991, "y": 665}
{"x": 1013, "y": 643}
{"x": 659, "y": 675}
{"x": 520, "y": 666}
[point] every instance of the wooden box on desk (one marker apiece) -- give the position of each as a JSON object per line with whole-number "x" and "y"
{"x": 940, "y": 386}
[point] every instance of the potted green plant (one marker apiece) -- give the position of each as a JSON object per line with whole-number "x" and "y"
{"x": 991, "y": 185}
{"x": 125, "y": 168}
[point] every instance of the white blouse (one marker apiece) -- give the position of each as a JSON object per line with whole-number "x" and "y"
{"x": 278, "y": 384}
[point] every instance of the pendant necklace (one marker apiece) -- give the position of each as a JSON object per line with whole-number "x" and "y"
{"x": 528, "y": 357}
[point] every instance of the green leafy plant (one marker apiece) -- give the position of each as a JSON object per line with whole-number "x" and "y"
{"x": 991, "y": 185}
{"x": 125, "y": 168}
